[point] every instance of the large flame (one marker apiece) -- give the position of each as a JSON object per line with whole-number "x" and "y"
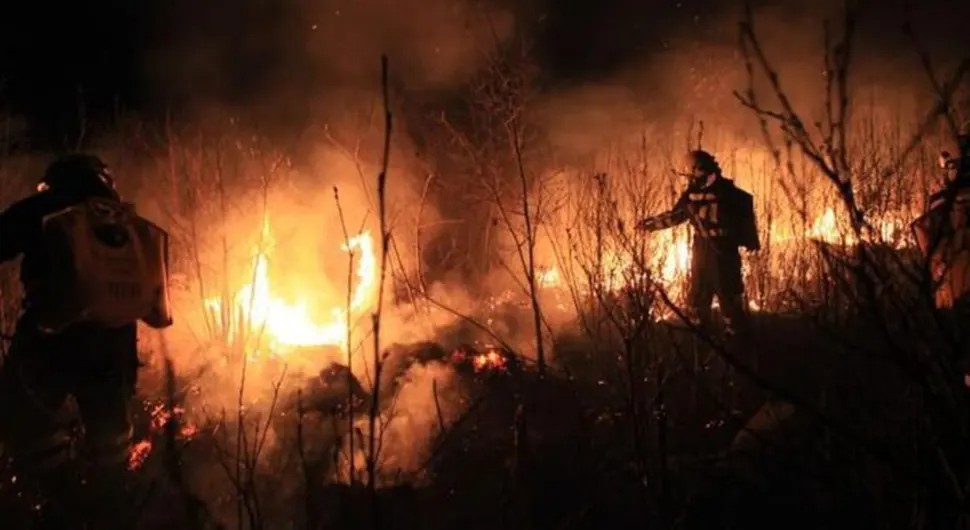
{"x": 280, "y": 324}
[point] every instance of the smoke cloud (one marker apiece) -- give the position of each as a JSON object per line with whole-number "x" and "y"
{"x": 690, "y": 71}
{"x": 297, "y": 52}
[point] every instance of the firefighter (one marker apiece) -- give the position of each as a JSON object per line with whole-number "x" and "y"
{"x": 943, "y": 231}
{"x": 96, "y": 365}
{"x": 955, "y": 181}
{"x": 722, "y": 217}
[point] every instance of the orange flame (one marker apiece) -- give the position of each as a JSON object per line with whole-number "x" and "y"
{"x": 888, "y": 229}
{"x": 826, "y": 228}
{"x": 138, "y": 454}
{"x": 161, "y": 415}
{"x": 490, "y": 360}
{"x": 672, "y": 259}
{"x": 283, "y": 323}
{"x": 669, "y": 261}
{"x": 670, "y": 253}
{"x": 548, "y": 277}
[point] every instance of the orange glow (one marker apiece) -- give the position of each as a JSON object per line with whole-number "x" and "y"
{"x": 161, "y": 415}
{"x": 672, "y": 259}
{"x": 138, "y": 454}
{"x": 282, "y": 324}
{"x": 827, "y": 228}
{"x": 548, "y": 277}
{"x": 668, "y": 252}
{"x": 490, "y": 360}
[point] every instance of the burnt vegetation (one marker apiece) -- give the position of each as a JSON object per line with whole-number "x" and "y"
{"x": 575, "y": 394}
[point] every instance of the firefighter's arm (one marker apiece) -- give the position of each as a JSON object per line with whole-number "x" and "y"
{"x": 675, "y": 216}
{"x": 13, "y": 231}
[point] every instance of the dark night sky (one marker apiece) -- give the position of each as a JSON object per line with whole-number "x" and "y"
{"x": 51, "y": 49}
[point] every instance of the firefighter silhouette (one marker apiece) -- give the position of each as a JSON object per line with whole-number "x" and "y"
{"x": 943, "y": 231}
{"x": 722, "y": 218}
{"x": 955, "y": 172}
{"x": 96, "y": 365}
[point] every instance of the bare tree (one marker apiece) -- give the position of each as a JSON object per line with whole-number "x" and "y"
{"x": 884, "y": 294}
{"x": 494, "y": 138}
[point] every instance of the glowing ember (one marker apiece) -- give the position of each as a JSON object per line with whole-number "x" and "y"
{"x": 160, "y": 418}
{"x": 889, "y": 229}
{"x": 162, "y": 415}
{"x": 261, "y": 312}
{"x": 548, "y": 277}
{"x": 138, "y": 454}
{"x": 490, "y": 360}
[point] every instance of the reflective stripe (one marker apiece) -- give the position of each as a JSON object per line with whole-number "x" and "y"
{"x": 702, "y": 197}
{"x": 708, "y": 214}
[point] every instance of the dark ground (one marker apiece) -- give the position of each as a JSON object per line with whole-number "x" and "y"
{"x": 831, "y": 442}
{"x": 571, "y": 452}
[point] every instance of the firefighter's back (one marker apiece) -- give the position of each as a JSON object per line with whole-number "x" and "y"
{"x": 76, "y": 238}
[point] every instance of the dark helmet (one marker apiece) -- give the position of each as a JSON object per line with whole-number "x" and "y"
{"x": 78, "y": 173}
{"x": 699, "y": 163}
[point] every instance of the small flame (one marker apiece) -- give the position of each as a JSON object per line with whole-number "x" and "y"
{"x": 548, "y": 277}
{"x": 826, "y": 228}
{"x": 161, "y": 415}
{"x": 138, "y": 454}
{"x": 490, "y": 360}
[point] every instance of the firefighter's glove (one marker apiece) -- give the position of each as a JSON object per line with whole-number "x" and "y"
{"x": 646, "y": 225}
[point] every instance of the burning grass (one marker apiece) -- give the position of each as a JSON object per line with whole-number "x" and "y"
{"x": 547, "y": 353}
{"x": 269, "y": 368}
{"x": 269, "y": 389}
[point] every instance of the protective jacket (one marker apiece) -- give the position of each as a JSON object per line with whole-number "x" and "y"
{"x": 719, "y": 211}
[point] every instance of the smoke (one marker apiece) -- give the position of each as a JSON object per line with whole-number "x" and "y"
{"x": 295, "y": 53}
{"x": 430, "y": 399}
{"x": 305, "y": 75}
{"x": 692, "y": 69}
{"x": 679, "y": 92}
